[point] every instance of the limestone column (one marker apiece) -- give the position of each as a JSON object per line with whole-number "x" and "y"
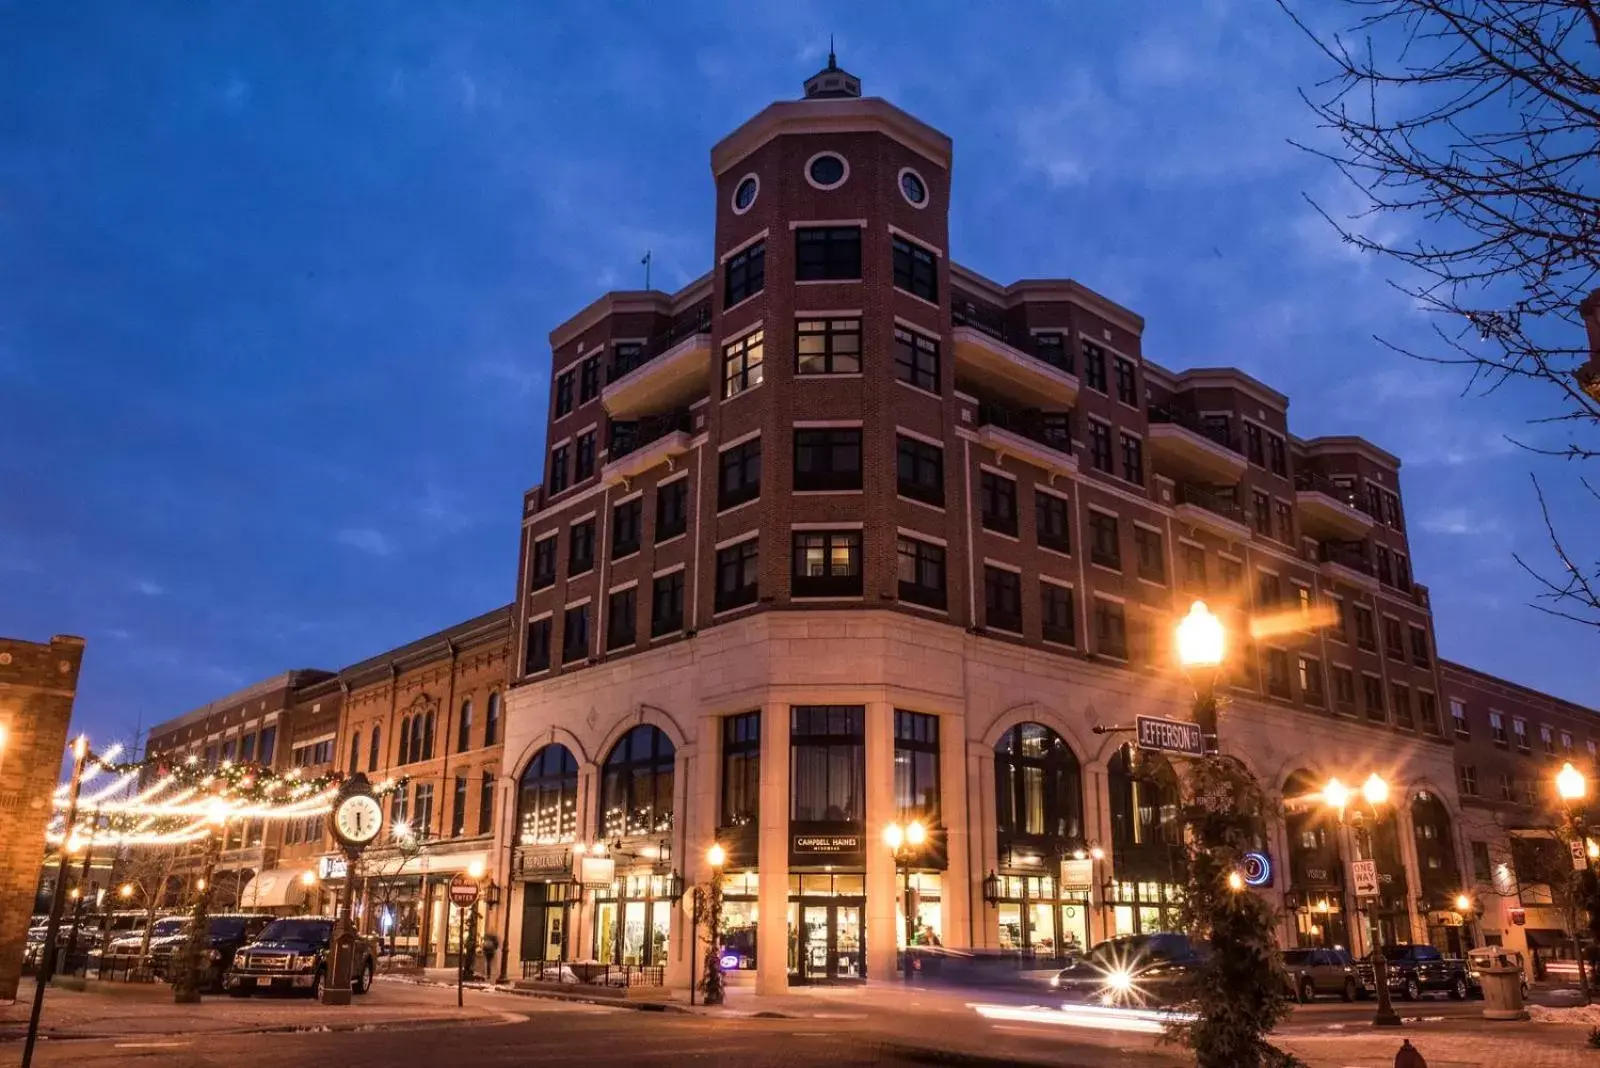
{"x": 955, "y": 885}
{"x": 1408, "y": 856}
{"x": 883, "y": 885}
{"x": 984, "y": 850}
{"x": 580, "y": 938}
{"x": 690, "y": 840}
{"x": 772, "y": 888}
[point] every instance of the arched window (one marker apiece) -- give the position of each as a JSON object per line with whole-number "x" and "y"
{"x": 405, "y": 741}
{"x": 547, "y": 798}
{"x": 1038, "y": 785}
{"x": 491, "y": 720}
{"x": 427, "y": 737}
{"x": 374, "y": 749}
{"x": 636, "y": 786}
{"x": 355, "y": 751}
{"x": 1436, "y": 858}
{"x": 464, "y": 727}
{"x": 1144, "y": 803}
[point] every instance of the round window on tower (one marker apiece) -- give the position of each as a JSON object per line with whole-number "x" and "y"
{"x": 913, "y": 188}
{"x": 744, "y": 194}
{"x": 827, "y": 170}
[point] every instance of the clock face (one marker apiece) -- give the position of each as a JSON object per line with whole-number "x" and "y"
{"x": 358, "y": 819}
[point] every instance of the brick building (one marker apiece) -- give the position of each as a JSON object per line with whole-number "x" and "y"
{"x": 431, "y": 711}
{"x": 38, "y": 682}
{"x": 844, "y": 532}
{"x": 275, "y": 722}
{"x": 1510, "y": 741}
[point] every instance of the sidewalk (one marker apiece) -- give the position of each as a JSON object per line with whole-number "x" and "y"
{"x": 1523, "y": 1045}
{"x": 144, "y": 1009}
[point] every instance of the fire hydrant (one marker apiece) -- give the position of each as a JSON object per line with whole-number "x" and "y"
{"x": 1408, "y": 1057}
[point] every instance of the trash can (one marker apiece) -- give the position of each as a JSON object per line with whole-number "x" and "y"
{"x": 1500, "y": 975}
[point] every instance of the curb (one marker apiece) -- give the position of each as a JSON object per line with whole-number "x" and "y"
{"x": 960, "y": 1058}
{"x": 498, "y": 1019}
{"x": 558, "y": 995}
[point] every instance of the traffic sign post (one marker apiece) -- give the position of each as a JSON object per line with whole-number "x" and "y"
{"x": 1364, "y": 873}
{"x": 463, "y": 895}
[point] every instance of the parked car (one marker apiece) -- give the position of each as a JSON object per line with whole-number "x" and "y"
{"x": 1147, "y": 970}
{"x": 1416, "y": 969}
{"x": 33, "y": 945}
{"x": 292, "y": 954}
{"x": 226, "y": 935}
{"x": 1321, "y": 971}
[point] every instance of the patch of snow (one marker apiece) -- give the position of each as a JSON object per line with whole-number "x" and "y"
{"x": 1585, "y": 1015}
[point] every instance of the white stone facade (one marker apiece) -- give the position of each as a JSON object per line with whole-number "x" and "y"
{"x": 887, "y": 660}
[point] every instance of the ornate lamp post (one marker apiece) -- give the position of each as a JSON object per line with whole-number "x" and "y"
{"x": 1572, "y": 787}
{"x": 905, "y": 842}
{"x": 1375, "y": 793}
{"x": 716, "y": 857}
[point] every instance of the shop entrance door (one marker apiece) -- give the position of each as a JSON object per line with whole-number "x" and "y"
{"x": 830, "y": 943}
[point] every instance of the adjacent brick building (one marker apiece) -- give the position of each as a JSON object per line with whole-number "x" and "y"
{"x": 38, "y": 682}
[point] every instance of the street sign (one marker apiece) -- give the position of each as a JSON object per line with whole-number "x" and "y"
{"x": 1365, "y": 875}
{"x": 1580, "y": 856}
{"x": 463, "y": 891}
{"x": 1170, "y": 736}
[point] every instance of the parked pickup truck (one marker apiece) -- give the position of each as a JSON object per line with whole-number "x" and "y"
{"x": 292, "y": 954}
{"x": 1416, "y": 969}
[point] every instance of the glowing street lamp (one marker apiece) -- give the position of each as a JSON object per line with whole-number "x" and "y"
{"x": 903, "y": 843}
{"x": 126, "y": 891}
{"x": 1571, "y": 784}
{"x": 716, "y": 856}
{"x": 1375, "y": 791}
{"x": 1202, "y": 643}
{"x": 1336, "y": 795}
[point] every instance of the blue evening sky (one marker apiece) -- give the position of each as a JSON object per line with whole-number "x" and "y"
{"x": 276, "y": 281}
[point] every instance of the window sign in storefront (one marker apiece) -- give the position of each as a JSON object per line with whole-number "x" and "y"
{"x": 1040, "y": 918}
{"x": 739, "y": 921}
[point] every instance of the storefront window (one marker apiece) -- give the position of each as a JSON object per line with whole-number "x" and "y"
{"x": 636, "y": 792}
{"x": 916, "y": 767}
{"x": 741, "y": 770}
{"x": 633, "y": 920}
{"x": 927, "y": 926}
{"x": 827, "y": 764}
{"x": 1145, "y": 907}
{"x": 1039, "y": 918}
{"x": 1038, "y": 785}
{"x": 547, "y": 798}
{"x": 739, "y": 919}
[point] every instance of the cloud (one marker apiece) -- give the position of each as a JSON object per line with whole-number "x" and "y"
{"x": 516, "y": 377}
{"x": 1471, "y": 522}
{"x": 366, "y": 540}
{"x": 149, "y": 588}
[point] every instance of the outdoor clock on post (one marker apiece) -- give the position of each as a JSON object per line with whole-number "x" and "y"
{"x": 357, "y": 819}
{"x": 357, "y": 816}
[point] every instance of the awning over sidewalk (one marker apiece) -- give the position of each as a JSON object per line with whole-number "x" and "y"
{"x": 274, "y": 888}
{"x": 1544, "y": 938}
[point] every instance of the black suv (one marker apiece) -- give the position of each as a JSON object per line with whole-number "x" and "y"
{"x": 1416, "y": 969}
{"x": 1139, "y": 970}
{"x": 292, "y": 954}
{"x": 226, "y": 935}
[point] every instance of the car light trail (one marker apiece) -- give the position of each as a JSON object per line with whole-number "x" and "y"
{"x": 1094, "y": 1017}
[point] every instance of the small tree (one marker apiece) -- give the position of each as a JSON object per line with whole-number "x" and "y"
{"x": 708, "y": 904}
{"x": 1239, "y": 993}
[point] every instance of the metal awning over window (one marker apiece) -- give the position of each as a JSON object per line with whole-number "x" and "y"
{"x": 1545, "y": 938}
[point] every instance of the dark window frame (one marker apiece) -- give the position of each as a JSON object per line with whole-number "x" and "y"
{"x": 1110, "y": 628}
{"x": 580, "y": 548}
{"x": 1049, "y": 513}
{"x": 916, "y": 270}
{"x": 827, "y": 253}
{"x": 827, "y": 459}
{"x": 1002, "y": 599}
{"x": 918, "y": 792}
{"x": 672, "y": 509}
{"x": 922, "y": 459}
{"x": 622, "y": 618}
{"x": 640, "y": 772}
{"x": 831, "y": 584}
{"x": 542, "y": 569}
{"x": 627, "y": 528}
{"x": 997, "y": 495}
{"x": 917, "y": 360}
{"x": 836, "y": 356}
{"x": 740, "y": 782}
{"x": 666, "y": 603}
{"x": 925, "y": 559}
{"x": 536, "y": 651}
{"x": 1058, "y": 613}
{"x": 575, "y": 633}
{"x": 745, "y": 274}
{"x": 738, "y": 561}
{"x": 1105, "y": 540}
{"x": 744, "y": 459}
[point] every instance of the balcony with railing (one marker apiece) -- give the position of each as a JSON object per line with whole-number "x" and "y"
{"x": 1347, "y": 561}
{"x": 1328, "y": 509}
{"x": 1043, "y": 439}
{"x": 1008, "y": 361}
{"x": 669, "y": 369}
{"x": 1217, "y": 510}
{"x": 639, "y": 445}
{"x": 1186, "y": 444}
